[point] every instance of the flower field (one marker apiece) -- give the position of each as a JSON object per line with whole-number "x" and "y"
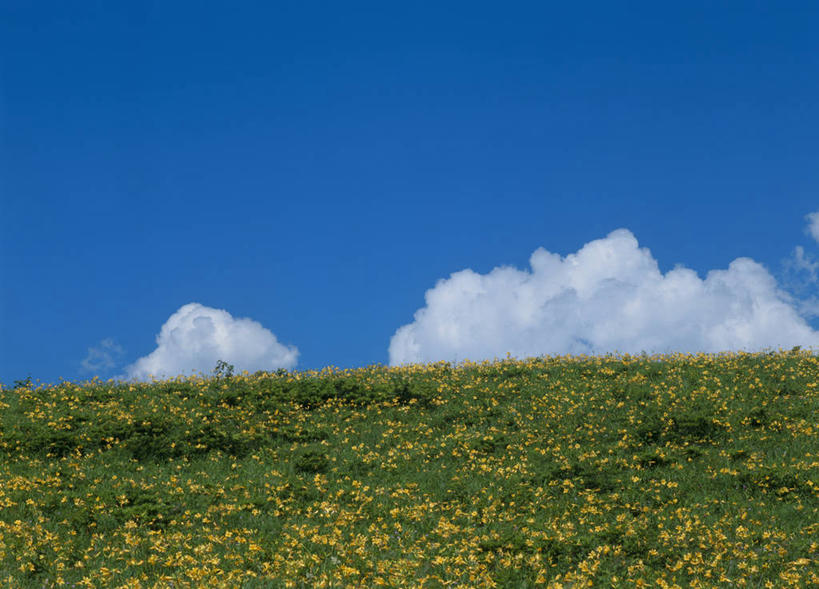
{"x": 617, "y": 471}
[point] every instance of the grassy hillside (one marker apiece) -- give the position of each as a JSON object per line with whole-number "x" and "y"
{"x": 674, "y": 470}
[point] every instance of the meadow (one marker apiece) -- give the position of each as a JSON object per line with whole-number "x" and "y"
{"x": 616, "y": 471}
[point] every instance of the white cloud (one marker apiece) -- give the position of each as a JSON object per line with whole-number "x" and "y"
{"x": 103, "y": 356}
{"x": 610, "y": 296}
{"x": 195, "y": 337}
{"x": 804, "y": 263}
{"x": 809, "y": 307}
{"x": 813, "y": 225}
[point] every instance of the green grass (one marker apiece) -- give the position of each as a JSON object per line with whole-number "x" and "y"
{"x": 592, "y": 471}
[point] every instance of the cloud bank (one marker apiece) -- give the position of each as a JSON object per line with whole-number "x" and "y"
{"x": 195, "y": 337}
{"x": 608, "y": 297}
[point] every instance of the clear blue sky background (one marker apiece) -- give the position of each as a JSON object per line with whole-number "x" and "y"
{"x": 318, "y": 166}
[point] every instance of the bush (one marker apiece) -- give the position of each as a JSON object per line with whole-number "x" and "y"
{"x": 312, "y": 461}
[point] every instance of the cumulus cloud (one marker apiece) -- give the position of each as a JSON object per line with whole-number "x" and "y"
{"x": 609, "y": 296}
{"x": 103, "y": 356}
{"x": 813, "y": 225}
{"x": 195, "y": 337}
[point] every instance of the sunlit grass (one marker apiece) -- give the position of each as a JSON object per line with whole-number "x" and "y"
{"x": 681, "y": 470}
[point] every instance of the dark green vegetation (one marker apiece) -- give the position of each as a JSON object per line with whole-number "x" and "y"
{"x": 683, "y": 470}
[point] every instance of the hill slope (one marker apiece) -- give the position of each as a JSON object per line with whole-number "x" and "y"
{"x": 677, "y": 470}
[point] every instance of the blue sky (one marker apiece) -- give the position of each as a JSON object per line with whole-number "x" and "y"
{"x": 321, "y": 168}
